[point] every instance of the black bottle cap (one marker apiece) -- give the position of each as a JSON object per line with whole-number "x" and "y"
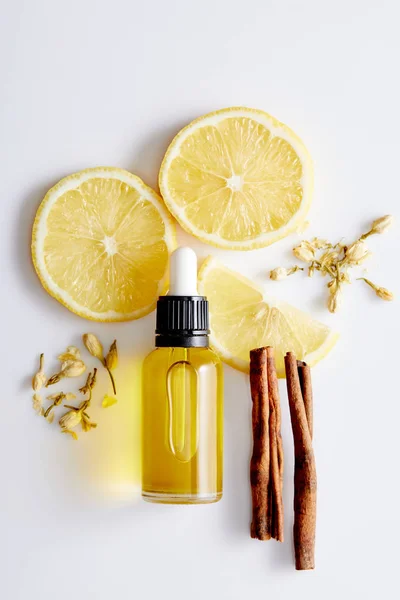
{"x": 182, "y": 321}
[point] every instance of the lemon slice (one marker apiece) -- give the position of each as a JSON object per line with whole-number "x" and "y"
{"x": 242, "y": 318}
{"x": 100, "y": 244}
{"x": 237, "y": 178}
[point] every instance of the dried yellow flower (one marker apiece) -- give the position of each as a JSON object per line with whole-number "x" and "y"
{"x": 381, "y": 292}
{"x": 335, "y": 300}
{"x": 108, "y": 401}
{"x": 304, "y": 252}
{"x": 49, "y": 417}
{"x": 94, "y": 345}
{"x": 39, "y": 379}
{"x": 71, "y": 368}
{"x": 112, "y": 356}
{"x": 37, "y": 404}
{"x": 281, "y": 273}
{"x": 71, "y": 419}
{"x": 356, "y": 253}
{"x": 75, "y": 416}
{"x": 379, "y": 226}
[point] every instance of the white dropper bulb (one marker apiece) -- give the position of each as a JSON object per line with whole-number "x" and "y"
{"x": 183, "y": 272}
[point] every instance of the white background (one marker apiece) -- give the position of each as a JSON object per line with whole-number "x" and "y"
{"x": 87, "y": 83}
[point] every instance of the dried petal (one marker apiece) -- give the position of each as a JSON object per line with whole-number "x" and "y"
{"x": 72, "y": 433}
{"x": 87, "y": 424}
{"x": 71, "y": 353}
{"x": 39, "y": 379}
{"x": 94, "y": 345}
{"x": 304, "y": 251}
{"x": 69, "y": 396}
{"x": 320, "y": 244}
{"x": 108, "y": 401}
{"x": 112, "y": 356}
{"x": 37, "y": 404}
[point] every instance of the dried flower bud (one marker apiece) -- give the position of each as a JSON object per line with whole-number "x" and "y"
{"x": 311, "y": 270}
{"x": 112, "y": 356}
{"x": 356, "y": 253}
{"x": 304, "y": 252}
{"x": 281, "y": 273}
{"x": 382, "y": 224}
{"x": 335, "y": 300}
{"x": 278, "y": 274}
{"x": 94, "y": 345}
{"x": 381, "y": 292}
{"x": 71, "y": 419}
{"x": 74, "y": 368}
{"x": 71, "y": 368}
{"x": 37, "y": 404}
{"x": 384, "y": 294}
{"x": 49, "y": 417}
{"x": 39, "y": 379}
{"x": 108, "y": 401}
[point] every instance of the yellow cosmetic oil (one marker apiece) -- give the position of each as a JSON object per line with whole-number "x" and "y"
{"x": 182, "y": 412}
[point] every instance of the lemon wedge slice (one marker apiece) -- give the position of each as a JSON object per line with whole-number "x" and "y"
{"x": 242, "y": 317}
{"x": 237, "y": 178}
{"x": 101, "y": 242}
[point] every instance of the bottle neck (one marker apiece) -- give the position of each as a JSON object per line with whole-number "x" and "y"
{"x": 182, "y": 322}
{"x": 182, "y": 341}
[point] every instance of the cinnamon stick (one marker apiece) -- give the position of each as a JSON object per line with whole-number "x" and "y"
{"x": 260, "y": 460}
{"x": 276, "y": 449}
{"x": 305, "y": 479}
{"x": 266, "y": 466}
{"x": 306, "y": 390}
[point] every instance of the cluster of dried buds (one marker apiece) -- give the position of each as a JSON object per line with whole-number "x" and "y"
{"x": 335, "y": 260}
{"x": 110, "y": 361}
{"x": 72, "y": 365}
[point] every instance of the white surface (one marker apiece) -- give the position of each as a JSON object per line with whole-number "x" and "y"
{"x": 183, "y": 272}
{"x": 109, "y": 83}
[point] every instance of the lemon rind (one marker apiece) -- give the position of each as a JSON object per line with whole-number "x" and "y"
{"x": 39, "y": 233}
{"x": 277, "y": 128}
{"x": 240, "y": 364}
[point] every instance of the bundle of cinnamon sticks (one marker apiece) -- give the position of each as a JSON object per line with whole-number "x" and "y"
{"x": 266, "y": 466}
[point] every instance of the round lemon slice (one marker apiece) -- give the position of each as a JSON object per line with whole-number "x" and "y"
{"x": 237, "y": 178}
{"x": 242, "y": 317}
{"x": 101, "y": 242}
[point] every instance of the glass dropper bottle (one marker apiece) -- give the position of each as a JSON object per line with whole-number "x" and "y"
{"x": 182, "y": 397}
